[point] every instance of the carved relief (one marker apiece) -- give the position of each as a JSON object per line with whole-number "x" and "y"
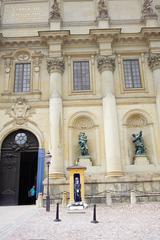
{"x": 147, "y": 10}
{"x": 102, "y": 9}
{"x": 8, "y": 61}
{"x": 154, "y": 61}
{"x": 20, "y": 111}
{"x": 136, "y": 120}
{"x": 105, "y": 63}
{"x": 83, "y": 123}
{"x": 55, "y": 64}
{"x": 22, "y": 56}
{"x": 55, "y": 12}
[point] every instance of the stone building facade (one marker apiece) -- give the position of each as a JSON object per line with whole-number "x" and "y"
{"x": 72, "y": 66}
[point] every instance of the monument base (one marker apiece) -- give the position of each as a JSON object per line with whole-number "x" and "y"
{"x": 141, "y": 160}
{"x": 85, "y": 161}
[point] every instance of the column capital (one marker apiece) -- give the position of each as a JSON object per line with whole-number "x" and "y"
{"x": 105, "y": 63}
{"x": 55, "y": 64}
{"x": 154, "y": 61}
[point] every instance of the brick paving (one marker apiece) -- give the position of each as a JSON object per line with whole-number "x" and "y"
{"x": 118, "y": 222}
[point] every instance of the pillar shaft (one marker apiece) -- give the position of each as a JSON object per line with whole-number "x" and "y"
{"x": 154, "y": 64}
{"x": 111, "y": 130}
{"x": 55, "y": 68}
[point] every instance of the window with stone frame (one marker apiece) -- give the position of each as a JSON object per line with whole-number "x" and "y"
{"x": 22, "y": 77}
{"x": 132, "y": 75}
{"x": 81, "y": 76}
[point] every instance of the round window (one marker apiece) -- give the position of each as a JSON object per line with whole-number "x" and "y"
{"x": 21, "y": 138}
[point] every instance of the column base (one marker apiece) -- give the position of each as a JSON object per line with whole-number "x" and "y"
{"x": 115, "y": 174}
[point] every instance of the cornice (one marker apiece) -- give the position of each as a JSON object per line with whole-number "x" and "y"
{"x": 151, "y": 32}
{"x": 95, "y": 36}
{"x": 106, "y": 35}
{"x": 54, "y": 35}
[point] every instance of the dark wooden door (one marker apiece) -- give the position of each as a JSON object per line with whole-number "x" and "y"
{"x": 12, "y": 148}
{"x": 9, "y": 178}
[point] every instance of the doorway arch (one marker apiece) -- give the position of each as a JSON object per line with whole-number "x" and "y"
{"x": 18, "y": 167}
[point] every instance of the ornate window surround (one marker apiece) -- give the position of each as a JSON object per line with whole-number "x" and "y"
{"x": 139, "y": 57}
{"x": 22, "y": 56}
{"x": 91, "y": 60}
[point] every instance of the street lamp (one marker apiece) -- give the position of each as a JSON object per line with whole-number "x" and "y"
{"x": 48, "y": 161}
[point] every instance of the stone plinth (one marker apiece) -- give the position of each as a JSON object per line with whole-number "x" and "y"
{"x": 151, "y": 21}
{"x": 141, "y": 160}
{"x": 85, "y": 161}
{"x": 103, "y": 22}
{"x": 55, "y": 24}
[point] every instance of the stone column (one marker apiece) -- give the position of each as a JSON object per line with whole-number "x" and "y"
{"x": 55, "y": 68}
{"x": 106, "y": 66}
{"x": 154, "y": 64}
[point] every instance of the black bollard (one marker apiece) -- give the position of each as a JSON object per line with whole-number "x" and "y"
{"x": 94, "y": 215}
{"x": 57, "y": 214}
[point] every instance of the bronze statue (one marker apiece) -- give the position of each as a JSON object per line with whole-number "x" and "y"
{"x": 83, "y": 144}
{"x": 139, "y": 144}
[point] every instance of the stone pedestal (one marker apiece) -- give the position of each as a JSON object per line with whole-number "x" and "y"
{"x": 141, "y": 160}
{"x": 85, "y": 161}
{"x": 103, "y": 22}
{"x": 55, "y": 24}
{"x": 151, "y": 21}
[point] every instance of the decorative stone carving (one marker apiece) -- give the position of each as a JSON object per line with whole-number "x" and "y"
{"x": 102, "y": 9}
{"x": 136, "y": 120}
{"x": 55, "y": 64}
{"x": 147, "y": 10}
{"x": 8, "y": 64}
{"x": 83, "y": 123}
{"x": 55, "y": 12}
{"x": 105, "y": 63}
{"x": 20, "y": 111}
{"x": 23, "y": 57}
{"x": 154, "y": 61}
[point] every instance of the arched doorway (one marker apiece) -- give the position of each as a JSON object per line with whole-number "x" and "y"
{"x": 18, "y": 167}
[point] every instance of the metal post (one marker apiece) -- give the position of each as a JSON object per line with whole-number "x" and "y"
{"x": 47, "y": 196}
{"x": 94, "y": 215}
{"x": 57, "y": 214}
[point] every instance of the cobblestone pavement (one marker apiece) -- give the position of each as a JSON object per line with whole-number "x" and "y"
{"x": 127, "y": 222}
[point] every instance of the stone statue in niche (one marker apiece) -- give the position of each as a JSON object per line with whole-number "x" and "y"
{"x": 139, "y": 144}
{"x": 102, "y": 9}
{"x": 55, "y": 12}
{"x": 83, "y": 144}
{"x": 77, "y": 189}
